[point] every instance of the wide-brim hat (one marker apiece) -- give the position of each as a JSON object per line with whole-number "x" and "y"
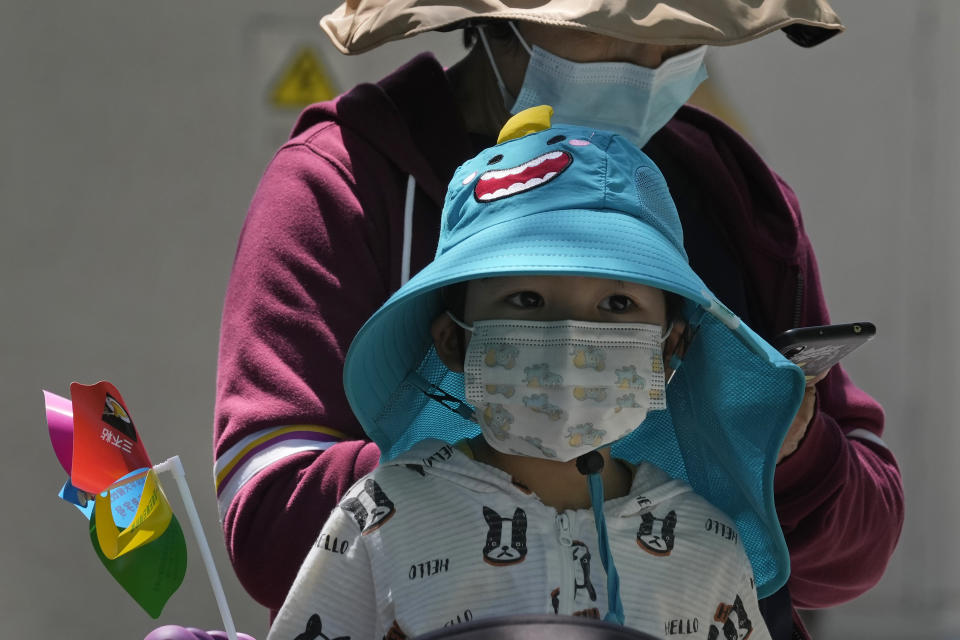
{"x": 573, "y": 201}
{"x": 360, "y": 25}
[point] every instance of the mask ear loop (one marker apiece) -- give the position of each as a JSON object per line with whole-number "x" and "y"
{"x": 666, "y": 333}
{"x": 523, "y": 43}
{"x": 674, "y": 363}
{"x": 460, "y": 323}
{"x": 685, "y": 339}
{"x": 504, "y": 94}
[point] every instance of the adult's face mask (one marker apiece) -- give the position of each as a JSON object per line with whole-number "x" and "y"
{"x": 626, "y": 98}
{"x": 557, "y": 390}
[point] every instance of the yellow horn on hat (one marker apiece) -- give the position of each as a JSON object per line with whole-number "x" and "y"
{"x": 527, "y": 121}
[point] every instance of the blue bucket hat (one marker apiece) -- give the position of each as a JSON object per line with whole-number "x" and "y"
{"x": 572, "y": 201}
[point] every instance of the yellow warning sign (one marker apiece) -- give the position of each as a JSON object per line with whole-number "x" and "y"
{"x": 302, "y": 81}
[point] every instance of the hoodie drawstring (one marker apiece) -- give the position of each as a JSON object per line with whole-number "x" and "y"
{"x": 591, "y": 464}
{"x": 407, "y": 230}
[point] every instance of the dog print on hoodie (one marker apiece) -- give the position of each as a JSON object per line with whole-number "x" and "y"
{"x": 506, "y": 537}
{"x": 732, "y": 620}
{"x": 581, "y": 578}
{"x": 314, "y": 631}
{"x": 371, "y": 507}
{"x": 656, "y": 535}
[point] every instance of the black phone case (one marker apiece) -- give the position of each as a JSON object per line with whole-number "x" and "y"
{"x": 816, "y": 349}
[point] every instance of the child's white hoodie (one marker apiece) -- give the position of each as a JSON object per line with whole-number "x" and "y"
{"x": 435, "y": 538}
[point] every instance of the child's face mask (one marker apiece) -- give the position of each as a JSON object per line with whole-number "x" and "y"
{"x": 557, "y": 390}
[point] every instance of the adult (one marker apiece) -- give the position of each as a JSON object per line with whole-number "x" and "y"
{"x": 349, "y": 208}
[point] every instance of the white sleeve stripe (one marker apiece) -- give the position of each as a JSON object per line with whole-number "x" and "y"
{"x": 231, "y": 454}
{"x": 259, "y": 461}
{"x": 869, "y": 436}
{"x": 226, "y": 465}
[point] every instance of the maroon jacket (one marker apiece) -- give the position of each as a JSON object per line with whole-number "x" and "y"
{"x": 322, "y": 248}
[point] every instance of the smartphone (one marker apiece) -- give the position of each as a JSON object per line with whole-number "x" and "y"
{"x": 816, "y": 349}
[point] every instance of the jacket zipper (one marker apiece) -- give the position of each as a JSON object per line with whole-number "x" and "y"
{"x": 798, "y": 299}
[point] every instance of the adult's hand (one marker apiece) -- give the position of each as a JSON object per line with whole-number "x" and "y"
{"x": 801, "y": 421}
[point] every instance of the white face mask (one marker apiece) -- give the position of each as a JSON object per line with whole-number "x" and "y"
{"x": 557, "y": 390}
{"x": 626, "y": 98}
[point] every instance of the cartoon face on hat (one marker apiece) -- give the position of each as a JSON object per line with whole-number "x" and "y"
{"x": 495, "y": 184}
{"x": 538, "y": 168}
{"x": 503, "y": 180}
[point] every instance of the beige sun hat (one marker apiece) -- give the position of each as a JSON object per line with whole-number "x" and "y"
{"x": 360, "y": 25}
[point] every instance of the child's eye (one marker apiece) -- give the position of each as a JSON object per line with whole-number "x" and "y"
{"x": 617, "y": 304}
{"x": 526, "y": 300}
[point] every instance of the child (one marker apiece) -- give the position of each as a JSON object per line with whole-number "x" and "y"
{"x": 559, "y": 286}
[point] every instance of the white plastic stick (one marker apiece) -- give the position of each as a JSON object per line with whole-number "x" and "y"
{"x": 174, "y": 466}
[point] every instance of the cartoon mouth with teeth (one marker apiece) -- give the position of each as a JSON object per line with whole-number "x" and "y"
{"x": 503, "y": 183}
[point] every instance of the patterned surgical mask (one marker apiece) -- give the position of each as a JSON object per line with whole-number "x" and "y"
{"x": 623, "y": 97}
{"x": 557, "y": 390}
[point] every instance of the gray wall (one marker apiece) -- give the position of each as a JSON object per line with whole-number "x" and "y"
{"x": 864, "y": 128}
{"x": 131, "y": 139}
